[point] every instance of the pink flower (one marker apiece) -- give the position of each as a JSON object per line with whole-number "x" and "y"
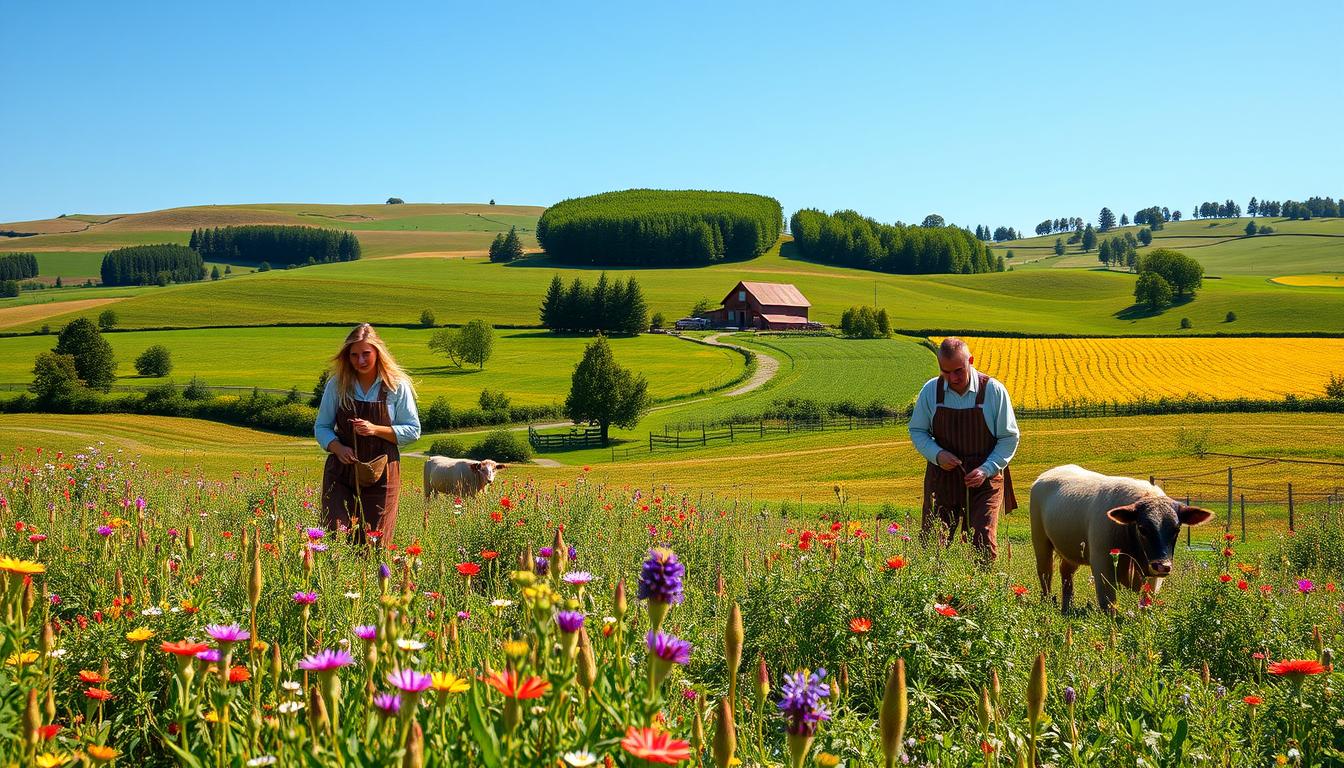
{"x": 227, "y": 633}
{"x": 305, "y": 598}
{"x": 409, "y": 680}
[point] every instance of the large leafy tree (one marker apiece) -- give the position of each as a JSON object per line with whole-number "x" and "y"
{"x": 94, "y": 359}
{"x": 55, "y": 380}
{"x": 1152, "y": 291}
{"x": 477, "y": 342}
{"x": 603, "y": 393}
{"x": 1183, "y": 273}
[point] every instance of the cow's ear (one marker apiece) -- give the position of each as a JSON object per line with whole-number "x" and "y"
{"x": 475, "y": 466}
{"x": 1126, "y": 515}
{"x": 1192, "y": 515}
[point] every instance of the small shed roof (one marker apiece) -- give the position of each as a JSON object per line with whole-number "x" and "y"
{"x": 774, "y": 294}
{"x": 784, "y": 319}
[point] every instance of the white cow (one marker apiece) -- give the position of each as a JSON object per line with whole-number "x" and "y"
{"x": 1083, "y": 516}
{"x": 463, "y": 478}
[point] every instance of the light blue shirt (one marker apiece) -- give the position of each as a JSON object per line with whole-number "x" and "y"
{"x": 400, "y": 409}
{"x": 998, "y": 412}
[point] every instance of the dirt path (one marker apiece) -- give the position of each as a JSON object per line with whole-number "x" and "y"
{"x": 766, "y": 366}
{"x": 27, "y": 313}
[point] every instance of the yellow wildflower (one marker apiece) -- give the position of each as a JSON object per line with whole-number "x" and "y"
{"x": 52, "y": 759}
{"x": 515, "y": 648}
{"x": 21, "y": 567}
{"x": 16, "y": 659}
{"x": 100, "y": 753}
{"x": 140, "y": 634}
{"x": 447, "y": 682}
{"x": 827, "y": 760}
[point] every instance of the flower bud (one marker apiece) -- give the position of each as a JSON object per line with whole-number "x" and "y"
{"x": 725, "y": 734}
{"x": 985, "y": 710}
{"x": 415, "y": 746}
{"x": 559, "y": 553}
{"x": 587, "y": 671}
{"x": 1204, "y": 674}
{"x": 1036, "y": 691}
{"x": 191, "y": 540}
{"x": 894, "y": 712}
{"x": 619, "y": 604}
{"x": 254, "y": 582}
{"x": 762, "y": 681}
{"x": 32, "y": 719}
{"x": 733, "y": 637}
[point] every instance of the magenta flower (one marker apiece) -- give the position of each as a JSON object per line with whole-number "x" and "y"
{"x": 305, "y": 598}
{"x": 227, "y": 633}
{"x": 104, "y": 530}
{"x": 569, "y": 621}
{"x": 317, "y": 547}
{"x": 366, "y": 632}
{"x": 669, "y": 647}
{"x": 1305, "y": 586}
{"x": 389, "y": 703}
{"x": 209, "y": 654}
{"x": 409, "y": 680}
{"x": 315, "y": 533}
{"x": 326, "y": 660}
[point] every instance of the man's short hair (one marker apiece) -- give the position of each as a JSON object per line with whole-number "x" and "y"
{"x": 951, "y": 347}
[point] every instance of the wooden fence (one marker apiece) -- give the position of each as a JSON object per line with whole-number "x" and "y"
{"x": 574, "y": 439}
{"x": 760, "y": 430}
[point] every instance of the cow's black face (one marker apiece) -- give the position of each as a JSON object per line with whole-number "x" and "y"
{"x": 1156, "y": 522}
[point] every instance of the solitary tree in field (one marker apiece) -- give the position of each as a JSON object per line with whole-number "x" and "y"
{"x": 94, "y": 359}
{"x": 1250, "y": 226}
{"x": 513, "y": 246}
{"x": 603, "y": 393}
{"x": 1152, "y": 291}
{"x": 1124, "y": 220}
{"x": 395, "y": 201}
{"x": 447, "y": 342}
{"x": 1146, "y": 236}
{"x": 477, "y": 342}
{"x": 1106, "y": 220}
{"x": 107, "y": 320}
{"x": 156, "y": 361}
{"x": 1059, "y": 246}
{"x": 1089, "y": 238}
{"x": 1181, "y": 272}
{"x": 55, "y": 379}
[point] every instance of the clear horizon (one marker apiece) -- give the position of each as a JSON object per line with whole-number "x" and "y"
{"x": 983, "y": 113}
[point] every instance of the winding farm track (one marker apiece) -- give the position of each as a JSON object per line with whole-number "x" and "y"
{"x": 766, "y": 366}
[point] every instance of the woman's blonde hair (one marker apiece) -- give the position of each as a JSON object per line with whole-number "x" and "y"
{"x": 393, "y": 375}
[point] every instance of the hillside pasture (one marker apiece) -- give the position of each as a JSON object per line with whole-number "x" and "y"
{"x": 532, "y": 367}
{"x": 1047, "y": 372}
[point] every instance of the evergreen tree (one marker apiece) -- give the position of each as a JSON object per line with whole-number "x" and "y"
{"x": 1250, "y": 227}
{"x": 552, "y": 307}
{"x": 497, "y": 248}
{"x": 513, "y": 246}
{"x": 576, "y": 306}
{"x": 603, "y": 393}
{"x": 1089, "y": 238}
{"x": 600, "y": 306}
{"x": 214, "y": 272}
{"x": 94, "y": 360}
{"x": 1106, "y": 220}
{"x": 1059, "y": 246}
{"x": 635, "y": 308}
{"x": 1252, "y": 208}
{"x": 1124, "y": 220}
{"x": 1104, "y": 252}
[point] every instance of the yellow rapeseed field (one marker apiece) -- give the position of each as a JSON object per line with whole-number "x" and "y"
{"x": 1045, "y": 372}
{"x": 1320, "y": 280}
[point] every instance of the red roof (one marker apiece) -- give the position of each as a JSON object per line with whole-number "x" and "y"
{"x": 773, "y": 294}
{"x": 784, "y": 319}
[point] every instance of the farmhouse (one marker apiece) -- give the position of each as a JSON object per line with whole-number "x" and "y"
{"x": 768, "y": 306}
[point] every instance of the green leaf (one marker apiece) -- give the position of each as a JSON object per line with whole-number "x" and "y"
{"x": 484, "y": 735}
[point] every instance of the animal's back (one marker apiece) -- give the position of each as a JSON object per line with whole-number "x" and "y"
{"x": 1069, "y": 504}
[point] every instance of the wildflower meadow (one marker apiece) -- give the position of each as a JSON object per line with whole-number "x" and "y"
{"x": 157, "y": 616}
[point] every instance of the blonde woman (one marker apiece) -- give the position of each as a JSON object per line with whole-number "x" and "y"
{"x": 367, "y": 412}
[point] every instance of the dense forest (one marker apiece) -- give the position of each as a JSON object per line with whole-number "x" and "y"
{"x": 277, "y": 246}
{"x": 152, "y": 265}
{"x": 18, "y": 266}
{"x": 849, "y": 239}
{"x": 649, "y": 227}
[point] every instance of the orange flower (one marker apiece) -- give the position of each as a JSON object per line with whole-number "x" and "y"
{"x": 655, "y": 746}
{"x": 98, "y": 694}
{"x": 489, "y": 554}
{"x": 1254, "y": 700}
{"x": 1019, "y": 590}
{"x": 945, "y": 610}
{"x": 90, "y": 677}
{"x": 515, "y": 687}
{"x": 101, "y": 753}
{"x": 1296, "y": 668}
{"x": 183, "y": 647}
{"x": 895, "y": 563}
{"x": 239, "y": 675}
{"x": 860, "y": 625}
{"x": 468, "y": 569}
{"x": 414, "y": 549}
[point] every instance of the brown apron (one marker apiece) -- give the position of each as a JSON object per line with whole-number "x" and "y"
{"x": 377, "y": 507}
{"x": 948, "y": 503}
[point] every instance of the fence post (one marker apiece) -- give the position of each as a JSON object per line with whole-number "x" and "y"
{"x": 1228, "y": 527}
{"x": 703, "y": 439}
{"x": 1243, "y": 518}
{"x": 1187, "y": 528}
{"x": 1290, "y": 508}
{"x": 731, "y": 437}
{"x": 650, "y": 442}
{"x": 762, "y": 428}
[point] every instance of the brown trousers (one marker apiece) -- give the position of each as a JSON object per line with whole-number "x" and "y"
{"x": 369, "y": 512}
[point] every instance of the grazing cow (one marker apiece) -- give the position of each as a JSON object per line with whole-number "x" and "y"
{"x": 459, "y": 477}
{"x": 1084, "y": 515}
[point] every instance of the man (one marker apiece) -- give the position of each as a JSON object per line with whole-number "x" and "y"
{"x": 963, "y": 423}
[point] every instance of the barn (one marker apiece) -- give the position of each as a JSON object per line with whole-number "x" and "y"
{"x": 767, "y": 306}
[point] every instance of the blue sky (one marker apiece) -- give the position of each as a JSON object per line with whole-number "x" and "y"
{"x": 993, "y": 113}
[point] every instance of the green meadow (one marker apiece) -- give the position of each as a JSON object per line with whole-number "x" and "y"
{"x": 532, "y": 367}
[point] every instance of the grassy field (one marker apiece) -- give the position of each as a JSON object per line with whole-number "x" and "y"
{"x": 532, "y": 367}
{"x": 1220, "y": 245}
{"x": 1044, "y": 372}
{"x": 1035, "y": 301}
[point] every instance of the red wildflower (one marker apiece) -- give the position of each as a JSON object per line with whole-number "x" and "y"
{"x": 1229, "y": 537}
{"x": 489, "y": 554}
{"x": 1224, "y": 577}
{"x": 1115, "y": 553}
{"x": 896, "y": 563}
{"x": 414, "y": 549}
{"x": 860, "y": 625}
{"x": 239, "y": 675}
{"x": 1019, "y": 590}
{"x": 505, "y": 502}
{"x": 375, "y": 534}
{"x": 89, "y": 677}
{"x": 468, "y": 569}
{"x": 183, "y": 647}
{"x": 655, "y": 746}
{"x": 945, "y": 610}
{"x": 1242, "y": 585}
{"x": 511, "y": 685}
{"x": 98, "y": 694}
{"x": 1254, "y": 700}
{"x": 1296, "y": 668}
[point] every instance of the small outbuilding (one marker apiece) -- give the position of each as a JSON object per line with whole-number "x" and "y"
{"x": 765, "y": 306}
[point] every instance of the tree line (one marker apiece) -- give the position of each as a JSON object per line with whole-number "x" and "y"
{"x": 18, "y": 266}
{"x": 1063, "y": 224}
{"x": 998, "y": 235}
{"x": 276, "y": 246}
{"x": 849, "y": 239}
{"x": 609, "y": 306}
{"x": 506, "y": 247}
{"x": 648, "y": 227}
{"x": 1123, "y": 250}
{"x": 152, "y": 265}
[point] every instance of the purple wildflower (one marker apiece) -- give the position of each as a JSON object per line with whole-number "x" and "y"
{"x": 1305, "y": 585}
{"x": 389, "y": 703}
{"x": 104, "y": 530}
{"x": 326, "y": 660}
{"x": 315, "y": 533}
{"x": 317, "y": 547}
{"x": 305, "y": 598}
{"x": 366, "y": 632}
{"x": 140, "y": 504}
{"x": 227, "y": 633}
{"x": 464, "y": 615}
{"x": 1070, "y": 695}
{"x": 669, "y": 647}
{"x": 384, "y": 572}
{"x": 408, "y": 680}
{"x": 543, "y": 566}
{"x": 209, "y": 654}
{"x": 573, "y": 554}
{"x": 172, "y": 533}
{"x": 545, "y": 552}
{"x": 569, "y": 621}
{"x": 661, "y": 578}
{"x": 801, "y": 702}
{"x": 577, "y": 578}
{"x": 689, "y": 694}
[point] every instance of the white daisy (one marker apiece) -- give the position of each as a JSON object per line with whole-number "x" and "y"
{"x": 292, "y": 686}
{"x": 580, "y": 758}
{"x": 263, "y": 760}
{"x": 501, "y": 603}
{"x": 152, "y": 611}
{"x": 352, "y": 595}
{"x": 290, "y": 707}
{"x": 407, "y": 644}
